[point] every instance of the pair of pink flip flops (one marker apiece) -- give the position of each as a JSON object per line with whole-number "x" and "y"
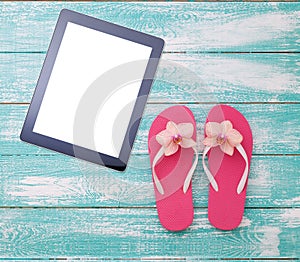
{"x": 173, "y": 156}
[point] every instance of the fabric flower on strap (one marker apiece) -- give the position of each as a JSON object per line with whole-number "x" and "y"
{"x": 174, "y": 136}
{"x": 223, "y": 135}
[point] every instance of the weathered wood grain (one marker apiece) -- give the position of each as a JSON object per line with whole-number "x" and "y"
{"x": 136, "y": 233}
{"x": 57, "y": 180}
{"x": 276, "y": 127}
{"x": 184, "y": 77}
{"x": 184, "y": 26}
{"x": 91, "y": 212}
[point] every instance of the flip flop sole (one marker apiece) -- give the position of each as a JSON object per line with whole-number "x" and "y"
{"x": 175, "y": 208}
{"x": 226, "y": 207}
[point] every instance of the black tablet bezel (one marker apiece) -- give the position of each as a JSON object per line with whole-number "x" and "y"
{"x": 27, "y": 133}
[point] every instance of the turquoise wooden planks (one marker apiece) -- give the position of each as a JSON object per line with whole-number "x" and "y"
{"x": 57, "y": 180}
{"x": 87, "y": 211}
{"x": 184, "y": 26}
{"x": 275, "y": 127}
{"x": 184, "y": 78}
{"x": 136, "y": 233}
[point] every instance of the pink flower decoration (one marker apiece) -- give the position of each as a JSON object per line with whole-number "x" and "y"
{"x": 174, "y": 136}
{"x": 223, "y": 135}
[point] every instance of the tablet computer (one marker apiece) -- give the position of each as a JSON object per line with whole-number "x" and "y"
{"x": 92, "y": 90}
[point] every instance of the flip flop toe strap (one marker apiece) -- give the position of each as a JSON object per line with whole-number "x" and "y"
{"x": 170, "y": 139}
{"x": 211, "y": 178}
{"x": 188, "y": 178}
{"x": 246, "y": 170}
{"x": 157, "y": 157}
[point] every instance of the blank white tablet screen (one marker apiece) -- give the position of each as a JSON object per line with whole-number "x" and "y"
{"x": 83, "y": 56}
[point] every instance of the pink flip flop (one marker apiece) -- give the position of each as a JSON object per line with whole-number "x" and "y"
{"x": 228, "y": 144}
{"x": 171, "y": 144}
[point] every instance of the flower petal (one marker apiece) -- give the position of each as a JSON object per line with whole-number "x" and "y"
{"x": 187, "y": 142}
{"x": 234, "y": 137}
{"x": 164, "y": 138}
{"x": 226, "y": 126}
{"x": 172, "y": 128}
{"x": 227, "y": 148}
{"x": 210, "y": 141}
{"x": 171, "y": 149}
{"x": 212, "y": 129}
{"x": 186, "y": 129}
